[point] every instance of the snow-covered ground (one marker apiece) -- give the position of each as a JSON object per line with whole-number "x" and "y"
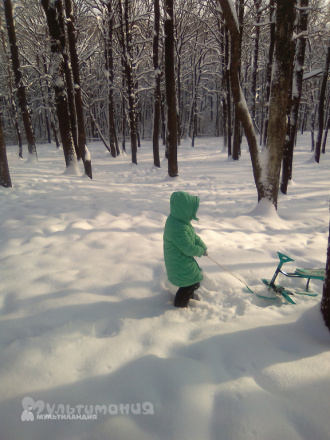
{"x": 88, "y": 329}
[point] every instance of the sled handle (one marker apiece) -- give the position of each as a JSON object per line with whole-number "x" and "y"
{"x": 284, "y": 258}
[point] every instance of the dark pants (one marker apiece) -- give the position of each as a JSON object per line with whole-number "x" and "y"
{"x": 184, "y": 294}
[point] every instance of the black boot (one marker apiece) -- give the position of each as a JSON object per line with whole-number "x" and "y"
{"x": 184, "y": 294}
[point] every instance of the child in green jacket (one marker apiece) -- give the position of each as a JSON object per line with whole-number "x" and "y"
{"x": 181, "y": 245}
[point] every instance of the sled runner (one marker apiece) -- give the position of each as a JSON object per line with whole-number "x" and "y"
{"x": 309, "y": 274}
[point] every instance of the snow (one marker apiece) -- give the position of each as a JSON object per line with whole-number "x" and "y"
{"x": 233, "y": 12}
{"x": 315, "y": 72}
{"x": 87, "y": 154}
{"x": 73, "y": 168}
{"x": 88, "y": 327}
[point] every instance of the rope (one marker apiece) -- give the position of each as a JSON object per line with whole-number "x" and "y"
{"x": 227, "y": 270}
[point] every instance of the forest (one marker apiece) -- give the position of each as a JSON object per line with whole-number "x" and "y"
{"x": 121, "y": 71}
{"x": 84, "y": 70}
{"x": 107, "y": 107}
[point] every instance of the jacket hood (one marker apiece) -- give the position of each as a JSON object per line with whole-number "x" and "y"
{"x": 184, "y": 206}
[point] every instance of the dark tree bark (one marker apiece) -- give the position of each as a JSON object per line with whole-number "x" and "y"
{"x": 222, "y": 102}
{"x": 194, "y": 113}
{"x": 237, "y": 139}
{"x": 228, "y": 94}
{"x": 109, "y": 67}
{"x": 50, "y": 104}
{"x": 313, "y": 110}
{"x": 123, "y": 110}
{"x": 325, "y": 302}
{"x": 241, "y": 108}
{"x": 162, "y": 112}
{"x": 21, "y": 91}
{"x": 58, "y": 47}
{"x": 325, "y": 135}
{"x": 125, "y": 43}
{"x": 272, "y": 9}
{"x": 196, "y": 62}
{"x": 321, "y": 107}
{"x": 97, "y": 128}
{"x": 5, "y": 179}
{"x": 44, "y": 102}
{"x": 157, "y": 91}
{"x": 11, "y": 101}
{"x": 82, "y": 144}
{"x": 268, "y": 185}
{"x": 58, "y": 7}
{"x": 172, "y": 131}
{"x": 283, "y": 59}
{"x": 295, "y": 97}
{"x": 255, "y": 61}
{"x": 180, "y": 115}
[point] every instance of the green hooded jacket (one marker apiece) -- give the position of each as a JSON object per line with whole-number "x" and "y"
{"x": 181, "y": 243}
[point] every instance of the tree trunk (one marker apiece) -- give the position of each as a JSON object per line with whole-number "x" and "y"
{"x": 325, "y": 302}
{"x": 44, "y": 102}
{"x": 321, "y": 108}
{"x": 283, "y": 59}
{"x": 5, "y": 179}
{"x": 227, "y": 88}
{"x": 21, "y": 91}
{"x": 50, "y": 104}
{"x": 10, "y": 98}
{"x": 82, "y": 147}
{"x": 237, "y": 139}
{"x": 109, "y": 68}
{"x": 267, "y": 186}
{"x": 58, "y": 7}
{"x": 313, "y": 106}
{"x": 180, "y": 113}
{"x": 163, "y": 117}
{"x": 325, "y": 135}
{"x": 272, "y": 9}
{"x": 239, "y": 100}
{"x": 255, "y": 63}
{"x": 98, "y": 129}
{"x": 123, "y": 108}
{"x": 170, "y": 90}
{"x": 296, "y": 96}
{"x": 196, "y": 77}
{"x": 58, "y": 47}
{"x": 157, "y": 90}
{"x": 125, "y": 43}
